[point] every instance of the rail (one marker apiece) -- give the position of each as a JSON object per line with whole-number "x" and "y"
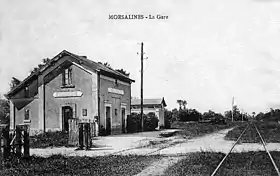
{"x": 263, "y": 143}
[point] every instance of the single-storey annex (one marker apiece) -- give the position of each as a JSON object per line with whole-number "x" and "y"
{"x": 156, "y": 106}
{"x": 71, "y": 86}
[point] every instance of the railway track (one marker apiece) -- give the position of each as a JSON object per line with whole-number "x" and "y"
{"x": 263, "y": 143}
{"x": 149, "y": 152}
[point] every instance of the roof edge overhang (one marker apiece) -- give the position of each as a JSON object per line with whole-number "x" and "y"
{"x": 21, "y": 84}
{"x": 122, "y": 78}
{"x": 54, "y": 59}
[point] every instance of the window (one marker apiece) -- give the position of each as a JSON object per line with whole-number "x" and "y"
{"x": 26, "y": 114}
{"x": 116, "y": 112}
{"x": 84, "y": 112}
{"x": 67, "y": 77}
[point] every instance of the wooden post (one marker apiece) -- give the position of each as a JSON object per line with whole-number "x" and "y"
{"x": 6, "y": 141}
{"x": 12, "y": 142}
{"x": 18, "y": 141}
{"x": 26, "y": 141}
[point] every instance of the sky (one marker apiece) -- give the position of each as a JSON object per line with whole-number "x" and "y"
{"x": 206, "y": 52}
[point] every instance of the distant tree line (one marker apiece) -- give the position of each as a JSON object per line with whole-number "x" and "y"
{"x": 185, "y": 114}
{"x": 271, "y": 115}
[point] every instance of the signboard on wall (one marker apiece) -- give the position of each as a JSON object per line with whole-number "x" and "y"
{"x": 67, "y": 94}
{"x": 115, "y": 91}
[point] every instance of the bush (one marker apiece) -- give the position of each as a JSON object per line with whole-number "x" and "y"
{"x": 150, "y": 122}
{"x": 189, "y": 115}
{"x": 102, "y": 131}
{"x": 167, "y": 119}
{"x": 4, "y": 111}
{"x": 49, "y": 139}
{"x": 134, "y": 122}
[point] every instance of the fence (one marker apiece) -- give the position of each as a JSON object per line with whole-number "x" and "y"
{"x": 15, "y": 141}
{"x": 4, "y": 141}
{"x": 81, "y": 132}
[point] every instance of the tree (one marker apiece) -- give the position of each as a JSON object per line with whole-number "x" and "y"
{"x": 260, "y": 116}
{"x": 189, "y": 115}
{"x": 228, "y": 114}
{"x": 213, "y": 117}
{"x": 180, "y": 103}
{"x": 184, "y": 103}
{"x": 175, "y": 114}
{"x": 122, "y": 71}
{"x": 4, "y": 111}
{"x": 14, "y": 82}
{"x": 208, "y": 115}
{"x": 167, "y": 118}
{"x": 45, "y": 61}
{"x": 237, "y": 115}
{"x": 106, "y": 64}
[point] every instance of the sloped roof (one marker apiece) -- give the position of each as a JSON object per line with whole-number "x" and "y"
{"x": 156, "y": 101}
{"x": 83, "y": 61}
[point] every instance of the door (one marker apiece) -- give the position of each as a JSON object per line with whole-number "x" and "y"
{"x": 123, "y": 120}
{"x": 67, "y": 113}
{"x": 117, "y": 115}
{"x": 108, "y": 120}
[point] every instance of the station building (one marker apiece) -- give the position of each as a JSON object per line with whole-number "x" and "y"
{"x": 71, "y": 86}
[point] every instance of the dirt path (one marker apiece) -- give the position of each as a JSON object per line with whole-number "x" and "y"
{"x": 170, "y": 147}
{"x": 193, "y": 145}
{"x": 158, "y": 168}
{"x": 213, "y": 142}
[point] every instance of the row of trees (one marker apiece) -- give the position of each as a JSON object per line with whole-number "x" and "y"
{"x": 184, "y": 114}
{"x": 272, "y": 115}
{"x": 134, "y": 122}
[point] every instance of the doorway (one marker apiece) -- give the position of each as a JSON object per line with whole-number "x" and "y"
{"x": 123, "y": 120}
{"x": 116, "y": 117}
{"x": 108, "y": 120}
{"x": 67, "y": 113}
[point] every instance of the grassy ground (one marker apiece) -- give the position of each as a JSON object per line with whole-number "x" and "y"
{"x": 237, "y": 164}
{"x": 60, "y": 165}
{"x": 191, "y": 130}
{"x": 270, "y": 131}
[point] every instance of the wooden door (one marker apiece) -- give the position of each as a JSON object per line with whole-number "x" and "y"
{"x": 116, "y": 119}
{"x": 123, "y": 120}
{"x": 67, "y": 113}
{"x": 108, "y": 120}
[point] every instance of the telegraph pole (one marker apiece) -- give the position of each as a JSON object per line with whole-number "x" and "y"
{"x": 142, "y": 53}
